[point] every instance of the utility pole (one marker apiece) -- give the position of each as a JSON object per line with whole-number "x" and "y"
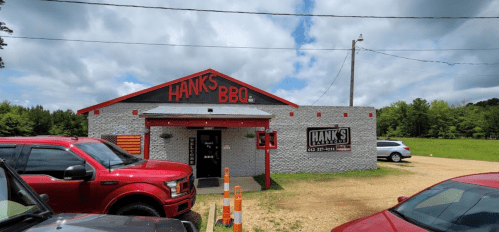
{"x": 353, "y": 68}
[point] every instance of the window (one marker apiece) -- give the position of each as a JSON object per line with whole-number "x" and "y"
{"x": 383, "y": 144}
{"x": 392, "y": 144}
{"x": 14, "y": 198}
{"x": 453, "y": 206}
{"x": 52, "y": 162}
{"x": 7, "y": 153}
{"x": 261, "y": 140}
{"x": 107, "y": 154}
{"x": 484, "y": 215}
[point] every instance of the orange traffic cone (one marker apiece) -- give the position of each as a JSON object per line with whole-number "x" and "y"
{"x": 238, "y": 200}
{"x": 226, "y": 210}
{"x": 226, "y": 220}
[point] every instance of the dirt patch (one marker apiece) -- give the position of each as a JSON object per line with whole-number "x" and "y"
{"x": 322, "y": 204}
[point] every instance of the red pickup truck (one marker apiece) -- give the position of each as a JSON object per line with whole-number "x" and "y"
{"x": 89, "y": 175}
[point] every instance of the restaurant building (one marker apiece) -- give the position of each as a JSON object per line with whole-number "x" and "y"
{"x": 212, "y": 119}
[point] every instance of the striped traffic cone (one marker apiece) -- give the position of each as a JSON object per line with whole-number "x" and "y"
{"x": 226, "y": 220}
{"x": 238, "y": 200}
{"x": 226, "y": 210}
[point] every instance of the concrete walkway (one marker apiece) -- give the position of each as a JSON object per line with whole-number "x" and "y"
{"x": 246, "y": 183}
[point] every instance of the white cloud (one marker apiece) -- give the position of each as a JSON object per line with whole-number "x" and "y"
{"x": 76, "y": 75}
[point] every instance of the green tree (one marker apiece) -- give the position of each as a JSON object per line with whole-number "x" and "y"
{"x": 473, "y": 117}
{"x": 4, "y": 107}
{"x": 395, "y": 117}
{"x": 440, "y": 118}
{"x": 12, "y": 124}
{"x": 491, "y": 121}
{"x": 419, "y": 117}
{"x": 41, "y": 119}
{"x": 3, "y": 28}
{"x": 67, "y": 123}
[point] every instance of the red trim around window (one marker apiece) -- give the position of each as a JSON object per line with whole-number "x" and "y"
{"x": 260, "y": 140}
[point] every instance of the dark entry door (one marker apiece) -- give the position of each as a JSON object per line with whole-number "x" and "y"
{"x": 209, "y": 155}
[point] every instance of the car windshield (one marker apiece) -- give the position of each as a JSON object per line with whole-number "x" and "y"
{"x": 453, "y": 206}
{"x": 107, "y": 154}
{"x": 15, "y": 200}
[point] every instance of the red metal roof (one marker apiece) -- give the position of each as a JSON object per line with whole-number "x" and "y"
{"x": 119, "y": 99}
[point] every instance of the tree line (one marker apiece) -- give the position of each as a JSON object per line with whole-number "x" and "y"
{"x": 439, "y": 119}
{"x": 20, "y": 121}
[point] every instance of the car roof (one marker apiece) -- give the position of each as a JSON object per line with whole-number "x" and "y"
{"x": 55, "y": 140}
{"x": 388, "y": 141}
{"x": 490, "y": 179}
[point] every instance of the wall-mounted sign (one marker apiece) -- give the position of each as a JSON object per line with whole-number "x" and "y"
{"x": 192, "y": 150}
{"x": 205, "y": 88}
{"x": 226, "y": 147}
{"x": 323, "y": 139}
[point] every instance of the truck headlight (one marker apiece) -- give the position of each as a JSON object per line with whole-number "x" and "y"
{"x": 175, "y": 187}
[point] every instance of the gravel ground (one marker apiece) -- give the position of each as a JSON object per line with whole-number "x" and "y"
{"x": 323, "y": 205}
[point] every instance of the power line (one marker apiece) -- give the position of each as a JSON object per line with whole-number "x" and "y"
{"x": 267, "y": 13}
{"x": 433, "y": 50}
{"x": 421, "y": 71}
{"x": 248, "y": 47}
{"x": 428, "y": 61}
{"x": 333, "y": 80}
{"x": 173, "y": 45}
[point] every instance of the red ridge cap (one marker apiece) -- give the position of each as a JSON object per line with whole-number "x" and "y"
{"x": 119, "y": 99}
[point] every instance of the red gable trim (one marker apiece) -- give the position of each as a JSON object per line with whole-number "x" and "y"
{"x": 119, "y": 99}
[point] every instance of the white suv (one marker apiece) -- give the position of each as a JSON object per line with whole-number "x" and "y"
{"x": 393, "y": 150}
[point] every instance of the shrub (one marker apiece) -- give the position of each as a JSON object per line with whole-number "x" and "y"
{"x": 165, "y": 135}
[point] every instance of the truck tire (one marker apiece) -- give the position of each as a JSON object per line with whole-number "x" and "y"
{"x": 138, "y": 209}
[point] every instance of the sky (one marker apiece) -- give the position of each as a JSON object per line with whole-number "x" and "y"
{"x": 74, "y": 75}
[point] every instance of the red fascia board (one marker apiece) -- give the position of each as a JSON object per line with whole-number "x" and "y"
{"x": 116, "y": 100}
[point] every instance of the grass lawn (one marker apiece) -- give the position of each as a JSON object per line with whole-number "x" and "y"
{"x": 267, "y": 199}
{"x": 473, "y": 149}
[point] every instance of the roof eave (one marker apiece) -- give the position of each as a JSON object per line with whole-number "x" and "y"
{"x": 208, "y": 116}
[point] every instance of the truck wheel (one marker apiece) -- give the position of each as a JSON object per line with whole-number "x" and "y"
{"x": 138, "y": 209}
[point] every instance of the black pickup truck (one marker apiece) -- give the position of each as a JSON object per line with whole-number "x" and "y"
{"x": 21, "y": 209}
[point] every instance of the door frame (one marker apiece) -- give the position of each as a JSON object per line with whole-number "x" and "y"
{"x": 198, "y": 163}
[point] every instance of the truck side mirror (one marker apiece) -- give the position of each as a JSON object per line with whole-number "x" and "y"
{"x": 400, "y": 199}
{"x": 76, "y": 172}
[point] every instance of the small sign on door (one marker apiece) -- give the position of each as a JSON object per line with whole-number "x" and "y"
{"x": 192, "y": 150}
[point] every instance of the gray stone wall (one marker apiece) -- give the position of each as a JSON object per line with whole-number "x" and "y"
{"x": 243, "y": 158}
{"x": 291, "y": 155}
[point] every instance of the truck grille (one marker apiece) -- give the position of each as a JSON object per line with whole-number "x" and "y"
{"x": 191, "y": 182}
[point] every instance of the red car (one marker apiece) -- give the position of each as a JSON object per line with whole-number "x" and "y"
{"x": 466, "y": 203}
{"x": 88, "y": 175}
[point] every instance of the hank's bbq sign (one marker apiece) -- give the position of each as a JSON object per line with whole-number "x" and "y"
{"x": 322, "y": 139}
{"x": 208, "y": 84}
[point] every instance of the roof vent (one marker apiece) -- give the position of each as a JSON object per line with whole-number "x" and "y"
{"x": 210, "y": 110}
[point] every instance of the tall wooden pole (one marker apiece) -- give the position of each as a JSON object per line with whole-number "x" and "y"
{"x": 352, "y": 73}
